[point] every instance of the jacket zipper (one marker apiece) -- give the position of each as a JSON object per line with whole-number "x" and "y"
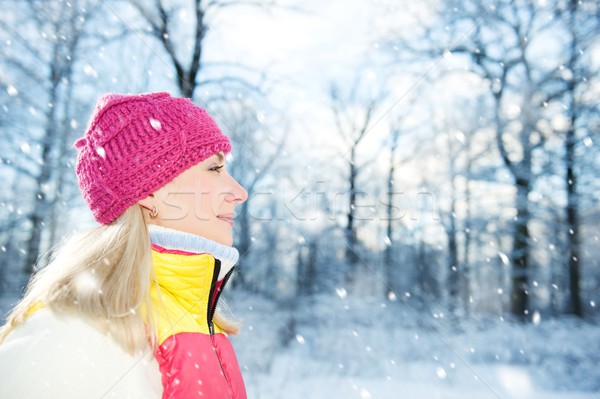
{"x": 212, "y": 306}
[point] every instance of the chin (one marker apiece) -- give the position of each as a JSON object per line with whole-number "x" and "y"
{"x": 224, "y": 240}
{"x": 228, "y": 242}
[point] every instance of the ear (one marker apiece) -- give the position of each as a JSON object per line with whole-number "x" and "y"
{"x": 148, "y": 202}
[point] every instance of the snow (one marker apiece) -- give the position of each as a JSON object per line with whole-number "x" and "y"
{"x": 345, "y": 347}
{"x": 12, "y": 90}
{"x": 342, "y": 346}
{"x": 156, "y": 125}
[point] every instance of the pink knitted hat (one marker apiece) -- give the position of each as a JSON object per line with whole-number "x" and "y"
{"x": 135, "y": 144}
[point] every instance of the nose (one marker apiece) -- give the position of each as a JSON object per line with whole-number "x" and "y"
{"x": 237, "y": 194}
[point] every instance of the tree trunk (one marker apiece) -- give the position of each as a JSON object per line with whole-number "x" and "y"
{"x": 388, "y": 254}
{"x": 9, "y": 254}
{"x": 453, "y": 280}
{"x": 351, "y": 239}
{"x": 521, "y": 171}
{"x": 573, "y": 235}
{"x": 306, "y": 276}
{"x": 520, "y": 252}
{"x": 40, "y": 212}
{"x": 573, "y": 225}
{"x": 64, "y": 146}
{"x": 466, "y": 269}
{"x": 244, "y": 241}
{"x": 453, "y": 267}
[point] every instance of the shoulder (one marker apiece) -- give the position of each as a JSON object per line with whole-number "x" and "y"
{"x": 53, "y": 354}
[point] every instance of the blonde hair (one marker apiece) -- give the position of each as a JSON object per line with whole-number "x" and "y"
{"x": 103, "y": 276}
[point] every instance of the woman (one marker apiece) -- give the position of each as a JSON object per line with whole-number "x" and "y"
{"x": 129, "y": 309}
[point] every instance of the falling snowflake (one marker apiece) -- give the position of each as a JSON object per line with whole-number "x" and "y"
{"x": 441, "y": 373}
{"x": 12, "y": 90}
{"x": 101, "y": 152}
{"x": 387, "y": 241}
{"x": 155, "y": 124}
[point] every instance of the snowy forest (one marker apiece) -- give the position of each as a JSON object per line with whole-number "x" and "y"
{"x": 423, "y": 212}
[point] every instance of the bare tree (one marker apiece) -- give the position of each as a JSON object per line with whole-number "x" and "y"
{"x": 256, "y": 149}
{"x": 498, "y": 45}
{"x": 161, "y": 21}
{"x": 462, "y": 133}
{"x": 388, "y": 254}
{"x": 582, "y": 22}
{"x": 451, "y": 223}
{"x": 353, "y": 116}
{"x": 404, "y": 135}
{"x": 61, "y": 29}
{"x": 188, "y": 62}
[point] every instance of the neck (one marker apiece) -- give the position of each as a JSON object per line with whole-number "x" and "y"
{"x": 191, "y": 244}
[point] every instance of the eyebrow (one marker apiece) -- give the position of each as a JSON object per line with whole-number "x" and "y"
{"x": 220, "y": 156}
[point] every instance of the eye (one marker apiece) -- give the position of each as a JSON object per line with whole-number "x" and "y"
{"x": 216, "y": 168}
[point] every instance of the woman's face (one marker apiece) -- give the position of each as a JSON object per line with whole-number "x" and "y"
{"x": 200, "y": 201}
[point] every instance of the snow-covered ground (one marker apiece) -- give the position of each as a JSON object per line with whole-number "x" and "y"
{"x": 339, "y": 347}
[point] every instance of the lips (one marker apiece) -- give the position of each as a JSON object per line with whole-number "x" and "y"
{"x": 226, "y": 218}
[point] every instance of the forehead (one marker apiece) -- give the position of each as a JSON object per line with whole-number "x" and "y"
{"x": 219, "y": 156}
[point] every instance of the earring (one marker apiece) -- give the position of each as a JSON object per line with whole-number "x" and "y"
{"x": 153, "y": 212}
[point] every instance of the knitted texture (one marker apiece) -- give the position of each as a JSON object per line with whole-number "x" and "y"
{"x": 135, "y": 144}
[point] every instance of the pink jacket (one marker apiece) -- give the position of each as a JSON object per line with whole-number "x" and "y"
{"x": 195, "y": 356}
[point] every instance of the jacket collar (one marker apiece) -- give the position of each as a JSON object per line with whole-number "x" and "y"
{"x": 189, "y": 280}
{"x": 175, "y": 241}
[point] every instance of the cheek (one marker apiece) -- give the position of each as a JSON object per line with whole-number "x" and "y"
{"x": 209, "y": 198}
{"x": 216, "y": 192}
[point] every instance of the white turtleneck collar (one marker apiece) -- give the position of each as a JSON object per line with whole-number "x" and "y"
{"x": 182, "y": 241}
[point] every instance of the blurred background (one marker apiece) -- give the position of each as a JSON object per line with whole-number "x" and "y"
{"x": 423, "y": 212}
